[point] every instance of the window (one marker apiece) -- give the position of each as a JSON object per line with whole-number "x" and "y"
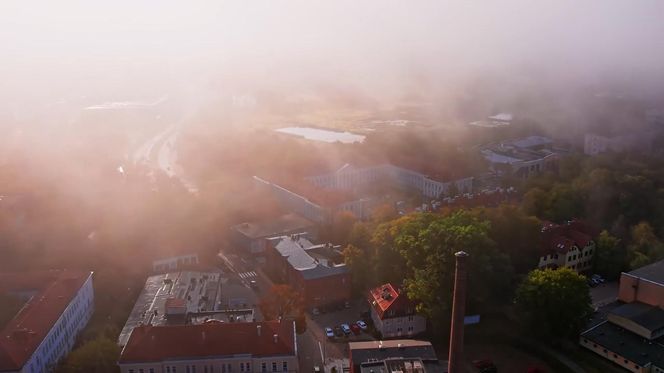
{"x": 241, "y": 367}
{"x": 274, "y": 366}
{"x": 615, "y": 356}
{"x": 263, "y": 367}
{"x": 248, "y": 367}
{"x": 284, "y": 366}
{"x": 131, "y": 371}
{"x": 193, "y": 369}
{"x": 141, "y": 370}
{"x": 605, "y": 350}
{"x": 151, "y": 370}
{"x": 223, "y": 368}
{"x": 188, "y": 369}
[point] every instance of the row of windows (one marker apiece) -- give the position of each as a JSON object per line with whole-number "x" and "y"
{"x": 224, "y": 368}
{"x": 615, "y": 356}
{"x": 56, "y": 344}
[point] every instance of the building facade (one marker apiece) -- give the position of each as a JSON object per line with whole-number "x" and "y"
{"x": 258, "y": 347}
{"x": 568, "y": 245}
{"x": 58, "y": 305}
{"x": 317, "y": 272}
{"x": 393, "y": 314}
{"x": 175, "y": 263}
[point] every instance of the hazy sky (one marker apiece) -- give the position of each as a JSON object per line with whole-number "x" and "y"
{"x": 372, "y": 40}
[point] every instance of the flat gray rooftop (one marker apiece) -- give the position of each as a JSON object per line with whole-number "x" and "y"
{"x": 199, "y": 290}
{"x": 652, "y": 272}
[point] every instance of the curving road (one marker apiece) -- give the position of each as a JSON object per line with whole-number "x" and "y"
{"x": 159, "y": 152}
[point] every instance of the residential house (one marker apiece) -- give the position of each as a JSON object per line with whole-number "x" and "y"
{"x": 393, "y": 313}
{"x": 570, "y": 245}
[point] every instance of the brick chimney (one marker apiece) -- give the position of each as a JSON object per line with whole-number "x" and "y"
{"x": 455, "y": 363}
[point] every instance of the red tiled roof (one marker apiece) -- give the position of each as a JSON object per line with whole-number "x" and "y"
{"x": 559, "y": 238}
{"x": 53, "y": 290}
{"x": 159, "y": 343}
{"x": 386, "y": 298}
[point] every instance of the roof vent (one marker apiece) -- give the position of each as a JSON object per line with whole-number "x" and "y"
{"x": 258, "y": 330}
{"x": 400, "y": 346}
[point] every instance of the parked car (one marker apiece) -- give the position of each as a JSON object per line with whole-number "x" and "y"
{"x": 316, "y": 369}
{"x": 338, "y": 332}
{"x": 329, "y": 332}
{"x": 355, "y": 329}
{"x": 362, "y": 325}
{"x": 253, "y": 284}
{"x": 346, "y": 329}
{"x": 598, "y": 278}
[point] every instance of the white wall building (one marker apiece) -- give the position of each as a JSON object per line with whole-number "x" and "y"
{"x": 59, "y": 305}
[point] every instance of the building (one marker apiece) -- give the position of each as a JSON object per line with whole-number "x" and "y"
{"x": 55, "y": 307}
{"x": 645, "y": 285}
{"x": 393, "y": 314}
{"x": 522, "y": 158}
{"x": 399, "y": 355}
{"x": 595, "y": 144}
{"x": 179, "y": 298}
{"x": 175, "y": 263}
{"x": 568, "y": 245}
{"x": 212, "y": 347}
{"x": 253, "y": 236}
{"x": 315, "y": 271}
{"x": 632, "y": 335}
{"x": 320, "y": 198}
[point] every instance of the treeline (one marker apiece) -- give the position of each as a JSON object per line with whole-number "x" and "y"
{"x": 622, "y": 194}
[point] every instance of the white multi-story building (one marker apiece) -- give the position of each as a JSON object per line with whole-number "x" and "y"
{"x": 58, "y": 305}
{"x": 320, "y": 198}
{"x": 257, "y": 347}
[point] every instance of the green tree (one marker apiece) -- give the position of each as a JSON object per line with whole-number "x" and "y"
{"x": 98, "y": 355}
{"x": 554, "y": 304}
{"x": 645, "y": 247}
{"x": 428, "y": 242}
{"x": 610, "y": 256}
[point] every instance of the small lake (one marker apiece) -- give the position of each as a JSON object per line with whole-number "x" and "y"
{"x": 317, "y": 134}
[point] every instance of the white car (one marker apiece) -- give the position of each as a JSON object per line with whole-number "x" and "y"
{"x": 329, "y": 332}
{"x": 362, "y": 325}
{"x": 346, "y": 329}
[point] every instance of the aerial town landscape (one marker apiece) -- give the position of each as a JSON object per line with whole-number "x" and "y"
{"x": 332, "y": 187}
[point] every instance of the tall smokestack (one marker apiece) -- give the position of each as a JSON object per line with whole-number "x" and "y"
{"x": 455, "y": 363}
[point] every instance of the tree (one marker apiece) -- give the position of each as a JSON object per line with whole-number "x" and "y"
{"x": 358, "y": 262}
{"x": 282, "y": 301}
{"x": 428, "y": 242}
{"x": 515, "y": 234}
{"x": 610, "y": 256}
{"x": 645, "y": 248}
{"x": 554, "y": 303}
{"x": 98, "y": 355}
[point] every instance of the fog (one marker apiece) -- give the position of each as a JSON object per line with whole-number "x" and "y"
{"x": 87, "y": 86}
{"x": 379, "y": 48}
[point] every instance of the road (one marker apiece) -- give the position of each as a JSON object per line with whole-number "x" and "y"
{"x": 159, "y": 152}
{"x": 604, "y": 294}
